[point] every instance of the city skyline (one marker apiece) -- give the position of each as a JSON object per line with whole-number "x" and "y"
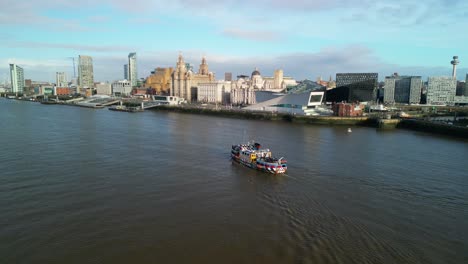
{"x": 304, "y": 38}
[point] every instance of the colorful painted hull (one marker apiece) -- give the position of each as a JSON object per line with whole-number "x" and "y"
{"x": 262, "y": 165}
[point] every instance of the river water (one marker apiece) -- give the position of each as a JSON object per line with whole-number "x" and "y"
{"x": 79, "y": 185}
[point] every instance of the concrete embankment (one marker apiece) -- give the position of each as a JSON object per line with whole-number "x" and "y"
{"x": 436, "y": 128}
{"x": 316, "y": 120}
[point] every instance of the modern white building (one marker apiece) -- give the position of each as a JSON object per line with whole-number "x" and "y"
{"x": 103, "y": 89}
{"x": 132, "y": 69}
{"x": 61, "y": 79}
{"x": 121, "y": 88}
{"x": 17, "y": 78}
{"x": 309, "y": 103}
{"x": 441, "y": 90}
{"x": 214, "y": 92}
{"x": 85, "y": 72}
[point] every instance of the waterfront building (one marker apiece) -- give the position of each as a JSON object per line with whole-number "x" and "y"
{"x": 121, "y": 88}
{"x": 308, "y": 103}
{"x": 61, "y": 79}
{"x": 103, "y": 88}
{"x": 85, "y": 72}
{"x": 228, "y": 76}
{"x": 352, "y": 87}
{"x": 460, "y": 88}
{"x": 126, "y": 72}
{"x": 330, "y": 84}
{"x": 242, "y": 93}
{"x": 441, "y": 90}
{"x": 214, "y": 92}
{"x": 160, "y": 81}
{"x": 466, "y": 86}
{"x": 132, "y": 69}
{"x": 17, "y": 78}
{"x": 63, "y": 91}
{"x": 277, "y": 83}
{"x": 402, "y": 89}
{"x": 347, "y": 109}
{"x": 184, "y": 81}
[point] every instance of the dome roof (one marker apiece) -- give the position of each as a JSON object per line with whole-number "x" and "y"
{"x": 255, "y": 72}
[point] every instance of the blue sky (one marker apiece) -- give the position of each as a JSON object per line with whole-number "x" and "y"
{"x": 305, "y": 38}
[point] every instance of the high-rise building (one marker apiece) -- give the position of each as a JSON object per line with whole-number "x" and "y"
{"x": 402, "y": 89}
{"x": 126, "y": 72}
{"x": 228, "y": 76}
{"x": 441, "y": 90}
{"x": 132, "y": 69}
{"x": 85, "y": 72}
{"x": 460, "y": 88}
{"x": 61, "y": 79}
{"x": 465, "y": 93}
{"x": 17, "y": 78}
{"x": 352, "y": 87}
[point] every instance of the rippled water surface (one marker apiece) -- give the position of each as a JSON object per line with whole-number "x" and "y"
{"x": 80, "y": 185}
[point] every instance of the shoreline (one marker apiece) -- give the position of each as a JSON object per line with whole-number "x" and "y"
{"x": 384, "y": 124}
{"x": 378, "y": 123}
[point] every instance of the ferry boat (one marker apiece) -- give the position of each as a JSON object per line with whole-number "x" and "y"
{"x": 253, "y": 156}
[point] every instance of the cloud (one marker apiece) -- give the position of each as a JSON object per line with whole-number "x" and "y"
{"x": 253, "y": 35}
{"x": 326, "y": 62}
{"x": 76, "y": 47}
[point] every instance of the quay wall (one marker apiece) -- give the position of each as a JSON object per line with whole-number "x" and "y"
{"x": 316, "y": 120}
{"x": 436, "y": 128}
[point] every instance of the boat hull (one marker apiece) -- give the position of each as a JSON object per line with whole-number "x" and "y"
{"x": 272, "y": 168}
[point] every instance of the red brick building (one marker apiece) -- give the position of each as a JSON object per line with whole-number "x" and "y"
{"x": 347, "y": 110}
{"x": 64, "y": 91}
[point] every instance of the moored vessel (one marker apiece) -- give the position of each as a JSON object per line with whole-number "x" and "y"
{"x": 253, "y": 156}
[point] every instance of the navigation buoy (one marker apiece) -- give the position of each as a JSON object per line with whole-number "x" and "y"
{"x": 349, "y": 130}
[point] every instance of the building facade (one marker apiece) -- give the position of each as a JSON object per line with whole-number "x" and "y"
{"x": 184, "y": 81}
{"x": 132, "y": 69}
{"x": 402, "y": 89}
{"x": 61, "y": 79}
{"x": 214, "y": 92}
{"x": 121, "y": 88}
{"x": 103, "y": 88}
{"x": 465, "y": 93}
{"x": 85, "y": 72}
{"x": 160, "y": 80}
{"x": 354, "y": 87}
{"x": 125, "y": 72}
{"x": 17, "y": 78}
{"x": 241, "y": 91}
{"x": 441, "y": 90}
{"x": 228, "y": 76}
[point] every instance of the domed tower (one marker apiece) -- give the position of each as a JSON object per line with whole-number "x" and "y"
{"x": 203, "y": 70}
{"x": 255, "y": 73}
{"x": 257, "y": 80}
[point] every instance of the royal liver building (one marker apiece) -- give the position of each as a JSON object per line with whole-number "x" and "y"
{"x": 185, "y": 82}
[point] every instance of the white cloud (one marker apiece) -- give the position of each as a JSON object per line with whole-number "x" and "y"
{"x": 326, "y": 62}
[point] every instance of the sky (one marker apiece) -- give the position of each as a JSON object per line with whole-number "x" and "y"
{"x": 305, "y": 38}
